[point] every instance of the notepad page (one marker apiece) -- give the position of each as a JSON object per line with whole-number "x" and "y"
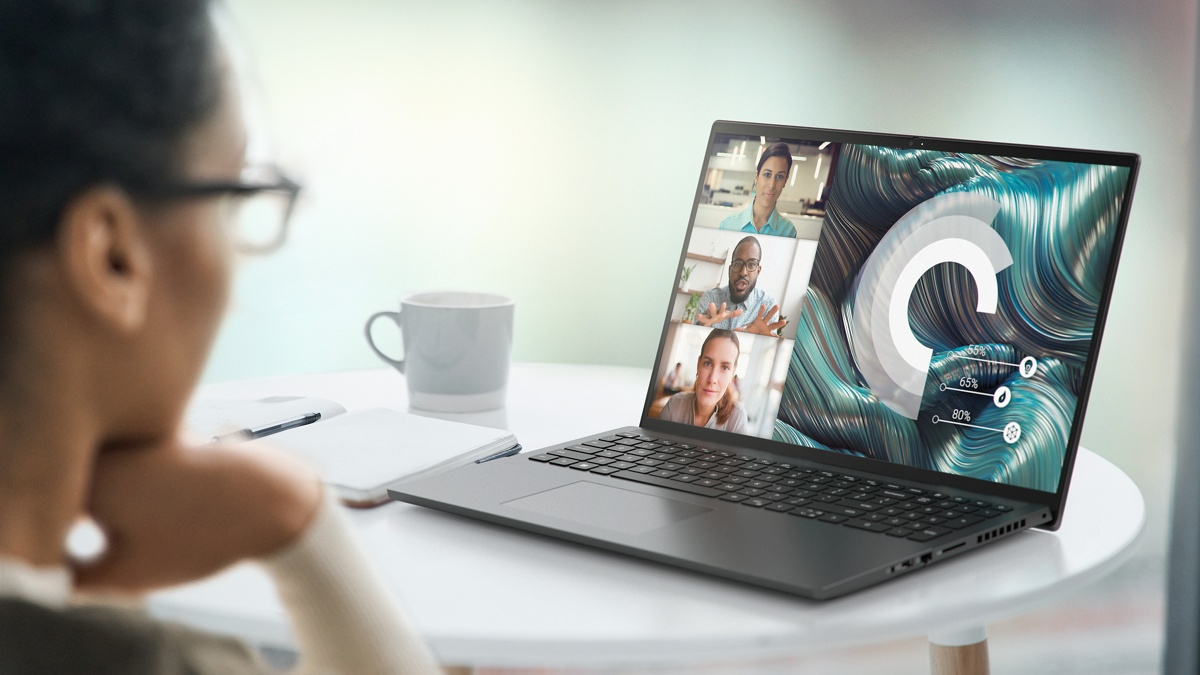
{"x": 366, "y": 449}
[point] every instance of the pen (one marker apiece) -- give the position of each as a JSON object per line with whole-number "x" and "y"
{"x": 503, "y": 453}
{"x": 249, "y": 434}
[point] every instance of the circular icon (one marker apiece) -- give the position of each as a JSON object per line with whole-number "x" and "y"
{"x": 1028, "y": 366}
{"x": 936, "y": 419}
{"x": 942, "y": 387}
{"x": 1002, "y": 396}
{"x": 1012, "y": 431}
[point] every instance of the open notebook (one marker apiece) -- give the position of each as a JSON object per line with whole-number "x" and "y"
{"x": 359, "y": 453}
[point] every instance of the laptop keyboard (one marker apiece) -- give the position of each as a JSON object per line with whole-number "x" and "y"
{"x": 832, "y": 497}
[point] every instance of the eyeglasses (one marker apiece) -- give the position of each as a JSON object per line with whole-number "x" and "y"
{"x": 258, "y": 209}
{"x": 751, "y": 265}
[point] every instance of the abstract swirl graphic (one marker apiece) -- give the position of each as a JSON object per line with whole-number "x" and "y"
{"x": 1057, "y": 219}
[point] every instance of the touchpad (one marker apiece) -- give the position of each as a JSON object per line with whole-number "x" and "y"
{"x": 611, "y": 508}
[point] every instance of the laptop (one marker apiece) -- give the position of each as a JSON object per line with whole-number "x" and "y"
{"x": 876, "y": 354}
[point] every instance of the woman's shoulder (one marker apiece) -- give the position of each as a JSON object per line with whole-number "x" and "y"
{"x": 783, "y": 225}
{"x": 678, "y": 408}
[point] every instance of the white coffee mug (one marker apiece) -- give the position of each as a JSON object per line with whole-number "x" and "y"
{"x": 456, "y": 349}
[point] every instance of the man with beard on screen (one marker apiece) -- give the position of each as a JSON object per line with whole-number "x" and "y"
{"x": 741, "y": 306}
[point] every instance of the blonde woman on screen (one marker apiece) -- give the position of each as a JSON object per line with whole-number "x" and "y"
{"x": 713, "y": 403}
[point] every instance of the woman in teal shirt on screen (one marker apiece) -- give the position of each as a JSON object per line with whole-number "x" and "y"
{"x": 760, "y": 215}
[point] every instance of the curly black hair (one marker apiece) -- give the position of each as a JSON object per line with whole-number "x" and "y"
{"x": 94, "y": 92}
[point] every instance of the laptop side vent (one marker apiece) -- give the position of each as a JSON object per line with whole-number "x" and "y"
{"x": 1000, "y": 531}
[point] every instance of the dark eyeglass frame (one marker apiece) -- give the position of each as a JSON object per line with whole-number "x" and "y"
{"x": 198, "y": 190}
{"x": 745, "y": 264}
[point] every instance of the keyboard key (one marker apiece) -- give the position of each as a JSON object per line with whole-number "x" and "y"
{"x": 663, "y": 474}
{"x": 751, "y": 492}
{"x": 775, "y": 496}
{"x": 798, "y": 501}
{"x": 599, "y": 444}
{"x": 841, "y": 510}
{"x": 622, "y": 465}
{"x": 867, "y": 525}
{"x": 650, "y": 462}
{"x": 601, "y": 461}
{"x": 564, "y": 461}
{"x": 545, "y": 457}
{"x": 577, "y": 456}
{"x": 667, "y": 483}
{"x": 708, "y": 482}
{"x": 626, "y": 434}
{"x": 729, "y": 487}
{"x": 733, "y": 497}
{"x": 927, "y": 533}
{"x": 806, "y": 512}
{"x": 610, "y": 439}
{"x": 664, "y": 456}
{"x": 756, "y": 502}
{"x": 861, "y": 506}
{"x": 832, "y": 518}
{"x": 585, "y": 466}
{"x": 899, "y": 532}
{"x": 643, "y": 469}
{"x": 965, "y": 521}
{"x": 684, "y": 478}
{"x": 604, "y": 470}
{"x": 1002, "y": 508}
{"x": 780, "y": 507}
{"x": 608, "y": 454}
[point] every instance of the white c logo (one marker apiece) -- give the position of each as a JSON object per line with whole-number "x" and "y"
{"x": 950, "y": 228}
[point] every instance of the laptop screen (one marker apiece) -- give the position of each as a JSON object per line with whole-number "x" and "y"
{"x": 925, "y": 306}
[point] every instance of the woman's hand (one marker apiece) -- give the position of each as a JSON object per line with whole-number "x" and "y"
{"x": 174, "y": 514}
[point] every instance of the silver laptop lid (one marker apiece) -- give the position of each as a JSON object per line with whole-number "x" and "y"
{"x": 928, "y": 308}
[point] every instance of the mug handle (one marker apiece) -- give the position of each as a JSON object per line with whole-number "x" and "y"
{"x": 395, "y": 316}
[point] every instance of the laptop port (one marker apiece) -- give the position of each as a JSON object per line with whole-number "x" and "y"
{"x": 951, "y": 548}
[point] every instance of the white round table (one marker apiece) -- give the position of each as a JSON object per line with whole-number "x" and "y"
{"x": 487, "y": 595}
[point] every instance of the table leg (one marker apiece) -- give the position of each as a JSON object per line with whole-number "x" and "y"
{"x": 959, "y": 652}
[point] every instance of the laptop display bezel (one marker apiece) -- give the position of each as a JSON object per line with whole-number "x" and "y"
{"x": 1053, "y": 500}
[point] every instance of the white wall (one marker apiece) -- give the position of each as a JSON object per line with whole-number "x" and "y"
{"x": 551, "y": 150}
